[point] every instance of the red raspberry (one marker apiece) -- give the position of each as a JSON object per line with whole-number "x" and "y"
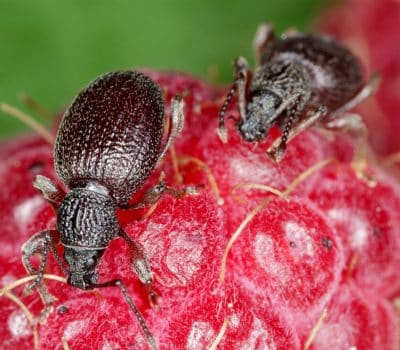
{"x": 287, "y": 279}
{"x": 355, "y": 321}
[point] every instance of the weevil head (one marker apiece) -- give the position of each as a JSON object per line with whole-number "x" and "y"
{"x": 82, "y": 266}
{"x": 260, "y": 116}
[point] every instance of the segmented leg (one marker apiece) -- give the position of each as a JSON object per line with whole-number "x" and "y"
{"x": 239, "y": 86}
{"x": 41, "y": 243}
{"x": 51, "y": 192}
{"x": 264, "y": 37}
{"x": 152, "y": 195}
{"x": 141, "y": 266}
{"x": 177, "y": 119}
{"x": 277, "y": 149}
{"x": 353, "y": 124}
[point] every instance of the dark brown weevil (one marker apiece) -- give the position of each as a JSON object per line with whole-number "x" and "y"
{"x": 300, "y": 80}
{"x": 109, "y": 141}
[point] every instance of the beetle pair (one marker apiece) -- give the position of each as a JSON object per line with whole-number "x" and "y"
{"x": 111, "y": 138}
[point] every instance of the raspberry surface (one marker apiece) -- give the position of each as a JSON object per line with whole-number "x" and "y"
{"x": 300, "y": 254}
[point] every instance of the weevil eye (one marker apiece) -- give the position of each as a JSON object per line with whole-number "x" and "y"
{"x": 89, "y": 263}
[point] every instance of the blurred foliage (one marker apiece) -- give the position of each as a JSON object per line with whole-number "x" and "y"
{"x": 50, "y": 49}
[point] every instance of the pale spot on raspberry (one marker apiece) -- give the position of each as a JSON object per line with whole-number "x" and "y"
{"x": 299, "y": 239}
{"x": 26, "y": 210}
{"x": 182, "y": 252}
{"x": 150, "y": 239}
{"x": 106, "y": 346}
{"x": 335, "y": 336}
{"x": 258, "y": 337}
{"x": 110, "y": 346}
{"x": 357, "y": 226}
{"x": 74, "y": 328}
{"x": 18, "y": 324}
{"x": 234, "y": 321}
{"x": 265, "y": 253}
{"x": 248, "y": 169}
{"x": 200, "y": 334}
{"x": 7, "y": 279}
{"x": 189, "y": 249}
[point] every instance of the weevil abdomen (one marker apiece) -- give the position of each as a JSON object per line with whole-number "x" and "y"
{"x": 112, "y": 134}
{"x": 334, "y": 72}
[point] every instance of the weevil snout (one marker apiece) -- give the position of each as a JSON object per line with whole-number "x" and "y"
{"x": 260, "y": 116}
{"x": 82, "y": 266}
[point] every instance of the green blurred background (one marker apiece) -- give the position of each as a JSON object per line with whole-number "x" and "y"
{"x": 50, "y": 49}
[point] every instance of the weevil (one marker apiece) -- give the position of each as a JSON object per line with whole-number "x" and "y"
{"x": 300, "y": 80}
{"x": 109, "y": 141}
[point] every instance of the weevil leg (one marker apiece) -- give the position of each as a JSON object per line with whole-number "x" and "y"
{"x": 141, "y": 266}
{"x": 118, "y": 283}
{"x": 277, "y": 149}
{"x": 353, "y": 124}
{"x": 370, "y": 87}
{"x": 41, "y": 243}
{"x": 51, "y": 192}
{"x": 265, "y": 35}
{"x": 241, "y": 78}
{"x": 177, "y": 119}
{"x": 241, "y": 69}
{"x": 152, "y": 195}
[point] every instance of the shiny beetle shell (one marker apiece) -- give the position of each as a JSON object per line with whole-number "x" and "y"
{"x": 112, "y": 134}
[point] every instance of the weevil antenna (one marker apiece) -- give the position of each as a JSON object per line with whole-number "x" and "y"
{"x": 222, "y": 132}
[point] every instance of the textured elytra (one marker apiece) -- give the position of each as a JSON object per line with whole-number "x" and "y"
{"x": 112, "y": 134}
{"x": 334, "y": 72}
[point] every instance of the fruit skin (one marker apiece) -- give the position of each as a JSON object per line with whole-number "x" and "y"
{"x": 185, "y": 240}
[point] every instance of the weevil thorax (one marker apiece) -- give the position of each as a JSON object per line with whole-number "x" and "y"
{"x": 87, "y": 223}
{"x": 272, "y": 87}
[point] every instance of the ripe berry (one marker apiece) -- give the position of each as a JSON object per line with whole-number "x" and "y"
{"x": 287, "y": 279}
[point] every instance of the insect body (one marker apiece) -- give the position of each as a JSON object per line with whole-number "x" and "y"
{"x": 109, "y": 141}
{"x": 300, "y": 79}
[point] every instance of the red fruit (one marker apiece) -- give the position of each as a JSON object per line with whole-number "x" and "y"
{"x": 183, "y": 241}
{"x": 257, "y": 327}
{"x": 355, "y": 321}
{"x": 21, "y": 204}
{"x": 290, "y": 260}
{"x": 367, "y": 220}
{"x": 290, "y": 251}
